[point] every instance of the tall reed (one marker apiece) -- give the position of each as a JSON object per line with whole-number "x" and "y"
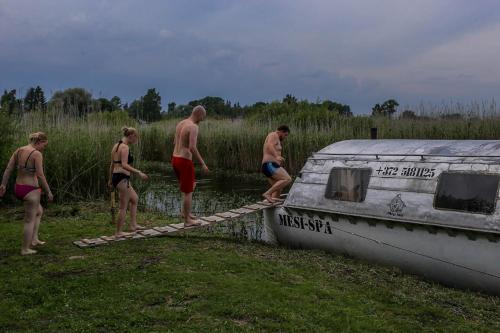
{"x": 78, "y": 156}
{"x": 237, "y": 144}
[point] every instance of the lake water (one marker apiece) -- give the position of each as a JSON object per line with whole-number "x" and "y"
{"x": 214, "y": 193}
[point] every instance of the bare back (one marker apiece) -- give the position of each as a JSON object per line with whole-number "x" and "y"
{"x": 183, "y": 131}
{"x": 26, "y": 160}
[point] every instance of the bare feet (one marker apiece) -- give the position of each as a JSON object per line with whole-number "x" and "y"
{"x": 191, "y": 223}
{"x": 27, "y": 252}
{"x": 268, "y": 198}
{"x": 37, "y": 242}
{"x": 123, "y": 234}
{"x": 137, "y": 227}
{"x": 191, "y": 216}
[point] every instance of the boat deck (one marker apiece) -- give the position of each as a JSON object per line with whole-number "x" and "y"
{"x": 171, "y": 229}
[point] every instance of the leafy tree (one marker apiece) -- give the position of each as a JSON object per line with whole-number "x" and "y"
{"x": 40, "y": 102}
{"x": 104, "y": 104}
{"x": 9, "y": 102}
{"x": 213, "y": 105}
{"x": 29, "y": 100}
{"x": 452, "y": 116}
{"x": 34, "y": 100}
{"x": 290, "y": 99}
{"x": 117, "y": 103}
{"x": 183, "y": 110}
{"x": 387, "y": 109}
{"x": 76, "y": 100}
{"x": 408, "y": 114}
{"x": 135, "y": 109}
{"x": 151, "y": 104}
{"x": 342, "y": 109}
{"x": 171, "y": 107}
{"x": 259, "y": 104}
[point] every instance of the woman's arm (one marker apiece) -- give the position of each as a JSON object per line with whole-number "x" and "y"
{"x": 7, "y": 173}
{"x": 124, "y": 158}
{"x": 123, "y": 151}
{"x": 110, "y": 175}
{"x": 37, "y": 156}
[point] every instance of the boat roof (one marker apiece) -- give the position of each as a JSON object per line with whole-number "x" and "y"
{"x": 451, "y": 148}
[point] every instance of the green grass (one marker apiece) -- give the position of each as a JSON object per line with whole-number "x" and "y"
{"x": 200, "y": 283}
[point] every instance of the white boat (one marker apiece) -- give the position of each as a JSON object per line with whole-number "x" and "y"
{"x": 429, "y": 207}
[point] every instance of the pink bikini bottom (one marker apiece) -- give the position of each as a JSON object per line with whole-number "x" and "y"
{"x": 21, "y": 190}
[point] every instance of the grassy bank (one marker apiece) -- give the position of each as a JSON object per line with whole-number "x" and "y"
{"x": 198, "y": 283}
{"x": 78, "y": 154}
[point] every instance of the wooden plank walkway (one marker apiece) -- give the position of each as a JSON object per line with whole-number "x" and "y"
{"x": 171, "y": 229}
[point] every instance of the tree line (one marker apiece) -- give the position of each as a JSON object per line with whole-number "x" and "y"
{"x": 79, "y": 101}
{"x": 148, "y": 108}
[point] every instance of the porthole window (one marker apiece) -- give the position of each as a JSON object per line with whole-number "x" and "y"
{"x": 468, "y": 192}
{"x": 348, "y": 184}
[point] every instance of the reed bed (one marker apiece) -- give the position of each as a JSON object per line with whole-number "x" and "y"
{"x": 77, "y": 158}
{"x": 237, "y": 144}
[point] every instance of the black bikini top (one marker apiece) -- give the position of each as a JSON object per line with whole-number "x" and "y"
{"x": 25, "y": 167}
{"x": 130, "y": 157}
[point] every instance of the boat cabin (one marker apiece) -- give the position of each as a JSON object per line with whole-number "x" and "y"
{"x": 441, "y": 183}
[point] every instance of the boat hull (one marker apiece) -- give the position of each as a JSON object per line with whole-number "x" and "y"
{"x": 453, "y": 257}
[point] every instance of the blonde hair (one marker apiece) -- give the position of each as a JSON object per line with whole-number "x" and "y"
{"x": 37, "y": 137}
{"x": 127, "y": 131}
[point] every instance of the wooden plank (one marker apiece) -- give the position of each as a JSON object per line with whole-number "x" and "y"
{"x": 96, "y": 241}
{"x": 242, "y": 211}
{"x": 81, "y": 244}
{"x": 165, "y": 229}
{"x": 227, "y": 215}
{"x": 213, "y": 218}
{"x": 203, "y": 223}
{"x": 173, "y": 228}
{"x": 93, "y": 242}
{"x": 150, "y": 233}
{"x": 178, "y": 226}
{"x": 271, "y": 204}
{"x": 256, "y": 206}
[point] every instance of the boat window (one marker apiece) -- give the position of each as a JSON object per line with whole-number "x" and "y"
{"x": 468, "y": 192}
{"x": 348, "y": 184}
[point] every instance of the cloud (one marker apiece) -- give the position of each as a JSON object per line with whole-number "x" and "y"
{"x": 78, "y": 18}
{"x": 358, "y": 52}
{"x": 165, "y": 33}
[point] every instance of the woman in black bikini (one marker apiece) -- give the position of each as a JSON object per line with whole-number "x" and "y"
{"x": 29, "y": 164}
{"x": 119, "y": 178}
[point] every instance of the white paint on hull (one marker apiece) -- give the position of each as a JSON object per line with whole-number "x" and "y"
{"x": 452, "y": 257}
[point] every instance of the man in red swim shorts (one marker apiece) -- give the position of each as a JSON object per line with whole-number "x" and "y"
{"x": 186, "y": 136}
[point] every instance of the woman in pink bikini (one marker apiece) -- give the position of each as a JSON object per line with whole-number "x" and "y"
{"x": 29, "y": 164}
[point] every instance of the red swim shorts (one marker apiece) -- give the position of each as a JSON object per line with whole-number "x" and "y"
{"x": 184, "y": 170}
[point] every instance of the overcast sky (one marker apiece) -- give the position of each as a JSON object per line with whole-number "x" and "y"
{"x": 358, "y": 52}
